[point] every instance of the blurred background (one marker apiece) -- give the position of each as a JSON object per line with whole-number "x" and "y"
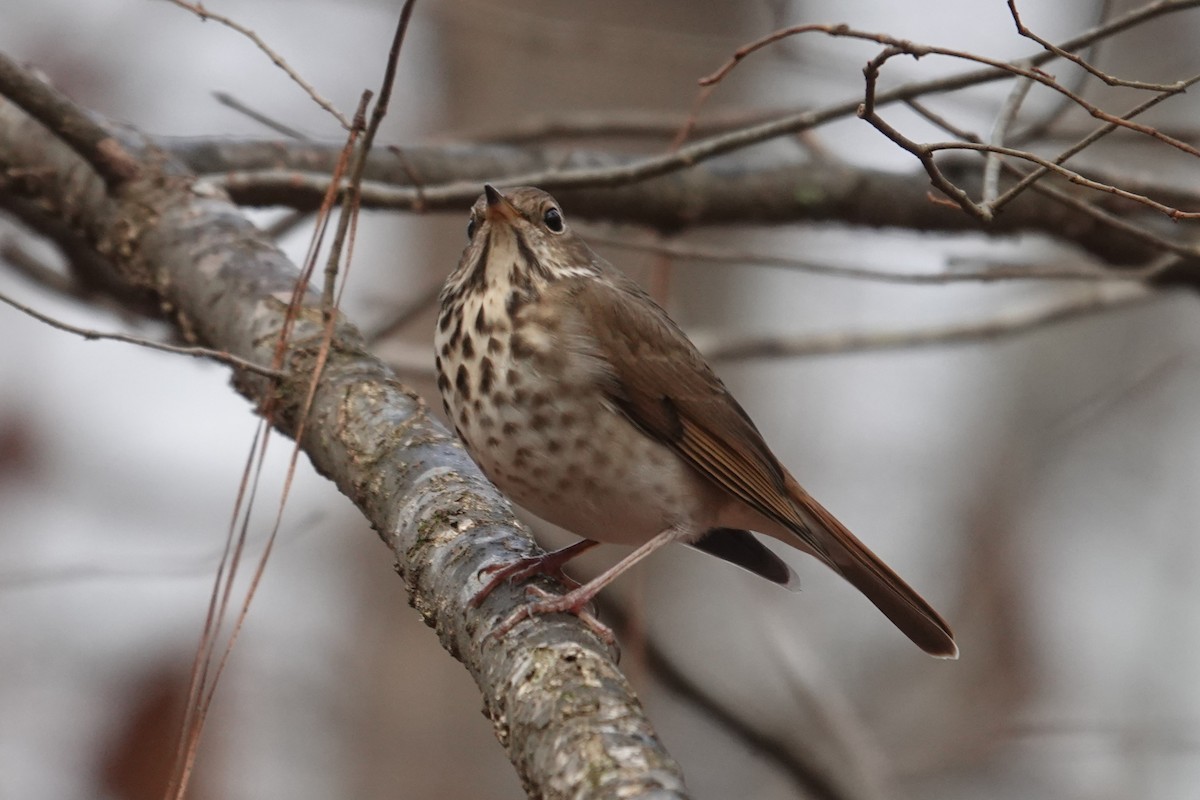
{"x": 1040, "y": 490}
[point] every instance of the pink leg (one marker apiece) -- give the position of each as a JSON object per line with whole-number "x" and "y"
{"x": 522, "y": 568}
{"x": 575, "y": 601}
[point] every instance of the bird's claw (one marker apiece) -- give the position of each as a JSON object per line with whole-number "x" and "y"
{"x": 573, "y": 602}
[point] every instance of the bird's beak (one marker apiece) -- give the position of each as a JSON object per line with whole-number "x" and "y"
{"x": 498, "y": 207}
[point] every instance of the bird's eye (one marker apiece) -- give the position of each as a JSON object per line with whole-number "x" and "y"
{"x": 471, "y": 228}
{"x": 553, "y": 219}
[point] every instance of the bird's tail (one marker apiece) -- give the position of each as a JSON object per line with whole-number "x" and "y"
{"x": 841, "y": 550}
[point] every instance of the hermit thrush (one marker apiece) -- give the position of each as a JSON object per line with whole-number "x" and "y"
{"x": 581, "y": 399}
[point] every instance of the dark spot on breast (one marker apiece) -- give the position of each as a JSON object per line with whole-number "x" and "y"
{"x": 437, "y": 363}
{"x": 553, "y": 446}
{"x": 446, "y": 350}
{"x": 495, "y": 346}
{"x": 477, "y": 404}
{"x": 468, "y": 347}
{"x": 481, "y": 324}
{"x": 514, "y": 301}
{"x": 486, "y": 422}
{"x": 456, "y": 334}
{"x": 493, "y": 442}
{"x": 601, "y": 458}
{"x": 512, "y": 377}
{"x": 462, "y": 382}
{"x": 564, "y": 483}
{"x": 464, "y": 418}
{"x": 539, "y": 399}
{"x": 486, "y": 375}
{"x": 567, "y": 419}
{"x": 444, "y": 321}
{"x": 538, "y": 472}
{"x": 522, "y": 456}
{"x": 539, "y": 422}
{"x": 509, "y": 428}
{"x": 443, "y": 382}
{"x": 519, "y": 397}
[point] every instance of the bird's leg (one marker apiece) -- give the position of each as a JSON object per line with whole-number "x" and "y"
{"x": 576, "y": 600}
{"x": 522, "y": 568}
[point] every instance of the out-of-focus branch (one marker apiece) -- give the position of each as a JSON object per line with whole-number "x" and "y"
{"x": 560, "y": 706}
{"x": 715, "y": 193}
{"x": 1108, "y": 297}
{"x": 90, "y": 141}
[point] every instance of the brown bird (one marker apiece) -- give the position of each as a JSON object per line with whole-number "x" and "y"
{"x": 579, "y": 397}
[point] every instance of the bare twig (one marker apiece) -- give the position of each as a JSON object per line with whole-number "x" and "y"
{"x": 1004, "y": 121}
{"x": 1155, "y": 267}
{"x": 1079, "y": 61}
{"x": 1006, "y": 325}
{"x": 732, "y": 256}
{"x": 631, "y": 124}
{"x": 194, "y": 352}
{"x": 278, "y": 60}
{"x": 229, "y": 101}
{"x": 454, "y": 192}
{"x": 1046, "y": 122}
{"x": 1086, "y": 142}
{"x": 808, "y": 779}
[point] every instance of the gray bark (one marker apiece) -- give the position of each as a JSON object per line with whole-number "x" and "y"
{"x": 560, "y": 706}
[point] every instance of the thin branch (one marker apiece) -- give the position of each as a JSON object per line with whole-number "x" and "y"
{"x": 999, "y": 327}
{"x": 1086, "y": 142}
{"x": 204, "y": 14}
{"x": 453, "y": 192}
{"x": 1156, "y": 266}
{"x": 730, "y": 256}
{"x": 924, "y": 153}
{"x": 629, "y": 124}
{"x": 1004, "y": 121}
{"x": 1079, "y": 61}
{"x": 808, "y": 779}
{"x": 229, "y": 101}
{"x": 1041, "y": 126}
{"x": 351, "y": 200}
{"x": 194, "y": 352}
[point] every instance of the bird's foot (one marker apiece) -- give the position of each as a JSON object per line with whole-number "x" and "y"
{"x": 573, "y": 602}
{"x": 550, "y": 564}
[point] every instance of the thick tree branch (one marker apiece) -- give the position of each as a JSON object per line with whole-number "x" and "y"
{"x": 720, "y": 192}
{"x": 560, "y": 706}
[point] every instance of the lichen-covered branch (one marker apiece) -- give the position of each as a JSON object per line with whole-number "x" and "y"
{"x": 559, "y": 704}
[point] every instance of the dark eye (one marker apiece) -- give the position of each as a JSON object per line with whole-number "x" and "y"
{"x": 553, "y": 219}
{"x": 470, "y": 228}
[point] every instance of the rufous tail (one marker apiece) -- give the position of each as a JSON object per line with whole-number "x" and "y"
{"x": 845, "y": 554}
